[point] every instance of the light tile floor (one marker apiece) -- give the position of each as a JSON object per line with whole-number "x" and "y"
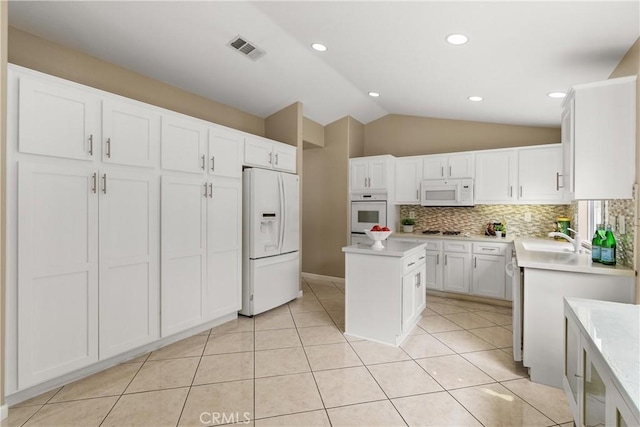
{"x": 293, "y": 366}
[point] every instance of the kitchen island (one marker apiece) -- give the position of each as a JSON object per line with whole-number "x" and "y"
{"x": 384, "y": 290}
{"x": 551, "y": 272}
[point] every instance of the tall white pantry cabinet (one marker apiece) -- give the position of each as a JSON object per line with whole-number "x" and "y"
{"x": 97, "y": 185}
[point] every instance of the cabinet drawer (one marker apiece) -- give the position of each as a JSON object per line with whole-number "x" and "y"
{"x": 413, "y": 261}
{"x": 433, "y": 245}
{"x": 490, "y": 248}
{"x": 464, "y": 247}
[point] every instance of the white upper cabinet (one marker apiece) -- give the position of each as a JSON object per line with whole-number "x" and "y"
{"x": 130, "y": 134}
{"x": 269, "y": 154}
{"x": 448, "y": 166}
{"x": 374, "y": 173}
{"x": 183, "y": 144}
{"x": 408, "y": 177}
{"x": 599, "y": 133}
{"x": 496, "y": 176}
{"x": 129, "y": 260}
{"x": 58, "y": 120}
{"x": 540, "y": 174}
{"x": 226, "y": 150}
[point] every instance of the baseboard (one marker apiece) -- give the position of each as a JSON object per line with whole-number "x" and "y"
{"x": 470, "y": 298}
{"x": 322, "y": 277}
{"x": 4, "y": 411}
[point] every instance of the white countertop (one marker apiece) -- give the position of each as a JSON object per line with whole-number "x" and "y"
{"x": 614, "y": 330}
{"x": 564, "y": 261}
{"x": 392, "y": 248}
{"x": 469, "y": 238}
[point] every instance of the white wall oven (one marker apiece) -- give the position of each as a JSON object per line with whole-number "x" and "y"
{"x": 367, "y": 210}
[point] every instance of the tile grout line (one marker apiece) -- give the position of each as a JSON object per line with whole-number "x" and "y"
{"x": 124, "y": 389}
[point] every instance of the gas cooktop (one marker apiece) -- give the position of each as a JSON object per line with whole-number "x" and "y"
{"x": 444, "y": 233}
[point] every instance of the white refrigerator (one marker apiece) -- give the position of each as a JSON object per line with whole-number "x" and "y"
{"x": 271, "y": 239}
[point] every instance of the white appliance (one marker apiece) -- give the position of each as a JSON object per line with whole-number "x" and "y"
{"x": 367, "y": 210}
{"x": 271, "y": 224}
{"x": 517, "y": 281}
{"x": 446, "y": 192}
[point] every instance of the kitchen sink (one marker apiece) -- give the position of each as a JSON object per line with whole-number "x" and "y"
{"x": 547, "y": 246}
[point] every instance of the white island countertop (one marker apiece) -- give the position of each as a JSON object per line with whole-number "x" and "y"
{"x": 563, "y": 261}
{"x": 614, "y": 330}
{"x": 393, "y": 248}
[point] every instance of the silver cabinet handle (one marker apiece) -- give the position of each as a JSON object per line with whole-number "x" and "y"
{"x": 109, "y": 148}
{"x": 418, "y": 194}
{"x": 437, "y": 259}
{"x": 270, "y": 158}
{"x": 449, "y": 171}
{"x": 445, "y": 259}
{"x": 202, "y": 162}
{"x": 276, "y": 158}
{"x": 521, "y": 191}
{"x": 475, "y": 262}
{"x": 104, "y": 183}
{"x": 211, "y": 190}
{"x": 411, "y": 263}
{"x": 511, "y": 191}
{"x": 94, "y": 187}
{"x": 213, "y": 163}
{"x": 91, "y": 145}
{"x": 418, "y": 280}
{"x": 422, "y": 257}
{"x": 558, "y": 187}
{"x": 205, "y": 190}
{"x": 441, "y": 170}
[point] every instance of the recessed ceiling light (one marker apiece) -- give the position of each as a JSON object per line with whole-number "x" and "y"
{"x": 457, "y": 39}
{"x": 556, "y": 94}
{"x": 374, "y": 94}
{"x": 319, "y": 47}
{"x": 475, "y": 98}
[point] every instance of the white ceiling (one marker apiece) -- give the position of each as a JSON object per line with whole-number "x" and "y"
{"x": 517, "y": 53}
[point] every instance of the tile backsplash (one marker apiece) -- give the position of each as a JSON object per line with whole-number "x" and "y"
{"x": 475, "y": 218}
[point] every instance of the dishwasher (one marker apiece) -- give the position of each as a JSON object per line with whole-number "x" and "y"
{"x": 517, "y": 283}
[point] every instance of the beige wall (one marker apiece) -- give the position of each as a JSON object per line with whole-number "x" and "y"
{"x": 42, "y": 55}
{"x": 3, "y": 150}
{"x": 356, "y": 138}
{"x": 324, "y": 229}
{"x": 312, "y": 133}
{"x": 410, "y": 135}
{"x": 628, "y": 66}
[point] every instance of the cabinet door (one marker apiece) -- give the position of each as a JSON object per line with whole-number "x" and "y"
{"x": 56, "y": 120}
{"x": 224, "y": 248}
{"x": 460, "y": 166}
{"x": 130, "y": 134}
{"x": 284, "y": 157}
{"x": 433, "y": 167}
{"x": 408, "y": 299}
{"x": 183, "y": 144}
{"x": 495, "y": 177}
{"x": 456, "y": 272}
{"x": 488, "y": 276}
{"x": 57, "y": 271}
{"x": 572, "y": 367}
{"x": 258, "y": 152}
{"x": 539, "y": 171}
{"x": 567, "y": 136}
{"x": 225, "y": 152}
{"x": 129, "y": 261}
{"x": 359, "y": 174}
{"x": 378, "y": 174}
{"x": 408, "y": 177}
{"x": 434, "y": 272}
{"x": 183, "y": 256}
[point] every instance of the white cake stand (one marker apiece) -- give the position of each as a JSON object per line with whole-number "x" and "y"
{"x": 377, "y": 237}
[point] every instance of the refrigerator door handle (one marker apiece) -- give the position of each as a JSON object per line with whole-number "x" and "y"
{"x": 283, "y": 215}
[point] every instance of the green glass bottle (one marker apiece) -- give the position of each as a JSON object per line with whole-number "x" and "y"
{"x": 596, "y": 243}
{"x": 608, "y": 248}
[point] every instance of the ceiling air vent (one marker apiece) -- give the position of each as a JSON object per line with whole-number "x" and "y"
{"x": 246, "y": 48}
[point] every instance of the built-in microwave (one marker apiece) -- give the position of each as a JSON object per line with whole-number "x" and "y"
{"x": 446, "y": 192}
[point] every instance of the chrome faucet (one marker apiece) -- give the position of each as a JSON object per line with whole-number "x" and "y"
{"x": 576, "y": 241}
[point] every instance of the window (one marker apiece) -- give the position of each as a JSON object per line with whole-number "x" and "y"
{"x": 590, "y": 214}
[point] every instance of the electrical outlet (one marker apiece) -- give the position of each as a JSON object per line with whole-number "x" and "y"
{"x": 527, "y": 217}
{"x": 412, "y": 214}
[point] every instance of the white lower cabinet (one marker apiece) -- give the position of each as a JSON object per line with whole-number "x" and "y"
{"x": 87, "y": 266}
{"x": 457, "y": 263}
{"x": 488, "y": 276}
{"x": 129, "y": 261}
{"x": 201, "y": 250}
{"x": 413, "y": 291}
